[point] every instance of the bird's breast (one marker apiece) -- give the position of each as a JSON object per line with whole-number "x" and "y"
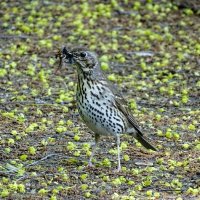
{"x": 95, "y": 105}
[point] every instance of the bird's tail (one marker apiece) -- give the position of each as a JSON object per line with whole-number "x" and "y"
{"x": 145, "y": 143}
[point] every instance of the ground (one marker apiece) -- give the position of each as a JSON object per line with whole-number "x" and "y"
{"x": 149, "y": 49}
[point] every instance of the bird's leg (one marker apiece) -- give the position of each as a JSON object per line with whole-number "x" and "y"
{"x": 93, "y": 150}
{"x": 118, "y": 153}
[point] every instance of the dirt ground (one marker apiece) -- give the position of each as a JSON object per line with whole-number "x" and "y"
{"x": 149, "y": 49}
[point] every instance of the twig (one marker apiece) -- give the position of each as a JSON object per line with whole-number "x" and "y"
{"x": 44, "y": 158}
{"x": 8, "y": 173}
{"x": 14, "y": 36}
{"x": 165, "y": 190}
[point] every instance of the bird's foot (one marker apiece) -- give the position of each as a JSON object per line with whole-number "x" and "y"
{"x": 90, "y": 165}
{"x": 117, "y": 170}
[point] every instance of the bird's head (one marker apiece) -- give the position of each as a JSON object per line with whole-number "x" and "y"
{"x": 86, "y": 61}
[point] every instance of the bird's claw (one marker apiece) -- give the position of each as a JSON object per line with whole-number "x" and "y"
{"x": 117, "y": 170}
{"x": 90, "y": 165}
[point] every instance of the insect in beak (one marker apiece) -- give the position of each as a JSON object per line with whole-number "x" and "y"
{"x": 60, "y": 56}
{"x": 67, "y": 55}
{"x": 64, "y": 54}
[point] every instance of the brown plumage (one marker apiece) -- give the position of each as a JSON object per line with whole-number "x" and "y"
{"x": 101, "y": 106}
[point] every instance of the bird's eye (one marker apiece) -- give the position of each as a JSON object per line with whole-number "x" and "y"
{"x": 83, "y": 54}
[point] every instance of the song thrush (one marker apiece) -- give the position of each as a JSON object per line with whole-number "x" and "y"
{"x": 101, "y": 107}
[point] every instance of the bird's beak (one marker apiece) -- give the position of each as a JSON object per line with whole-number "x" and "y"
{"x": 67, "y": 55}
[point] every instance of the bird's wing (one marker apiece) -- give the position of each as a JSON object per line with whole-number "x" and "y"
{"x": 122, "y": 105}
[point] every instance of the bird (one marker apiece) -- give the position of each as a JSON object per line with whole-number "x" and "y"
{"x": 101, "y": 106}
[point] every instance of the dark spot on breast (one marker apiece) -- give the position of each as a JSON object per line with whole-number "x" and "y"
{"x": 117, "y": 119}
{"x": 98, "y": 104}
{"x": 94, "y": 95}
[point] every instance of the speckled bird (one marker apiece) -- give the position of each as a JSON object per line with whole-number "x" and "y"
{"x": 101, "y": 107}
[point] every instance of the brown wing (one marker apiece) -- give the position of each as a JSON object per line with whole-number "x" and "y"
{"x": 122, "y": 105}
